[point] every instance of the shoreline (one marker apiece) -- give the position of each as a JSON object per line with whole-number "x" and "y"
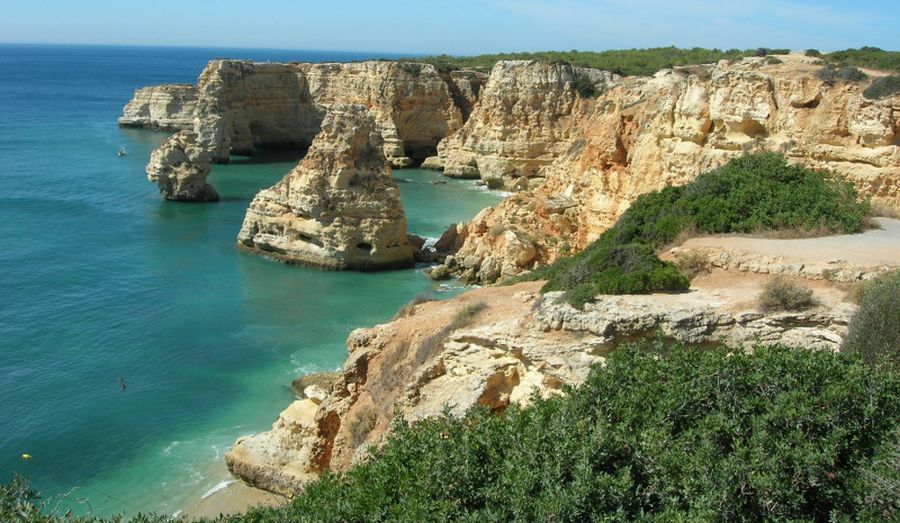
{"x": 227, "y": 497}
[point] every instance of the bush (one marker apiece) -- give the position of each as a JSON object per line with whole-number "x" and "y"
{"x": 813, "y": 52}
{"x": 883, "y": 87}
{"x": 623, "y": 61}
{"x": 881, "y": 483}
{"x": 781, "y": 294}
{"x": 692, "y": 263}
{"x": 612, "y": 268}
{"x": 871, "y": 57}
{"x": 584, "y": 86}
{"x": 750, "y": 194}
{"x": 675, "y": 435}
{"x": 874, "y": 333}
{"x": 771, "y": 60}
{"x": 846, "y": 73}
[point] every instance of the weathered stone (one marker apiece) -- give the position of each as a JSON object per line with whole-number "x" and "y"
{"x": 169, "y": 107}
{"x": 433, "y": 163}
{"x": 643, "y": 134}
{"x": 521, "y": 122}
{"x": 339, "y": 208}
{"x": 180, "y": 167}
{"x": 243, "y": 105}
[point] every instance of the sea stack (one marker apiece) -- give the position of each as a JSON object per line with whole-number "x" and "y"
{"x": 180, "y": 167}
{"x": 338, "y": 208}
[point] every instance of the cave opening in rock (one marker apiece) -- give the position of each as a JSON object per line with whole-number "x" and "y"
{"x": 365, "y": 247}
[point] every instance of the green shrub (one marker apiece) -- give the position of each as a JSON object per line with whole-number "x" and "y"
{"x": 584, "y": 86}
{"x": 771, "y": 60}
{"x": 749, "y": 194}
{"x": 871, "y": 57}
{"x": 846, "y": 73}
{"x": 883, "y": 87}
{"x": 813, "y": 52}
{"x": 623, "y": 61}
{"x": 881, "y": 483}
{"x": 611, "y": 268}
{"x": 680, "y": 435}
{"x": 874, "y": 331}
{"x": 781, "y": 294}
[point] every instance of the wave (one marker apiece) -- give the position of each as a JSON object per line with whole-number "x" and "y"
{"x": 222, "y": 485}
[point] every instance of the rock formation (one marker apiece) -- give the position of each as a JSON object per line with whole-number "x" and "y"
{"x": 339, "y": 208}
{"x": 521, "y": 123}
{"x": 243, "y": 105}
{"x": 180, "y": 167}
{"x": 169, "y": 107}
{"x": 646, "y": 133}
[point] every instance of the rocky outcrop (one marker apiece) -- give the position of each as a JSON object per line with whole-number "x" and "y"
{"x": 169, "y": 107}
{"x": 339, "y": 208}
{"x": 465, "y": 87}
{"x": 646, "y": 133}
{"x": 500, "y": 345}
{"x": 180, "y": 167}
{"x": 243, "y": 105}
{"x": 522, "y": 122}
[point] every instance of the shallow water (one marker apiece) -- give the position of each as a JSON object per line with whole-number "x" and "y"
{"x": 101, "y": 280}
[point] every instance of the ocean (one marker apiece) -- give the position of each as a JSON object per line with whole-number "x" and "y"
{"x": 101, "y": 280}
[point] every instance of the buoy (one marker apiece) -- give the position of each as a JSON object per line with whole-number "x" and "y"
{"x": 26, "y": 456}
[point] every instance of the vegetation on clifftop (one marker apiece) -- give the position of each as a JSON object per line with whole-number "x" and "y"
{"x": 658, "y": 434}
{"x": 644, "y": 62}
{"x": 752, "y": 193}
{"x": 623, "y": 61}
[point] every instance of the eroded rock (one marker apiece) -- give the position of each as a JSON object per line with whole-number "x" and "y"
{"x": 169, "y": 107}
{"x": 339, "y": 208}
{"x": 180, "y": 167}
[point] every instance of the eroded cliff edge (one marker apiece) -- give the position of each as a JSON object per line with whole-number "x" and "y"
{"x": 648, "y": 132}
{"x": 169, "y": 107}
{"x": 499, "y": 345}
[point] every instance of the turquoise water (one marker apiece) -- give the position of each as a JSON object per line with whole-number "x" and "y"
{"x": 100, "y": 279}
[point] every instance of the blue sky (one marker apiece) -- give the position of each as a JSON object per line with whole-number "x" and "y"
{"x": 457, "y": 27}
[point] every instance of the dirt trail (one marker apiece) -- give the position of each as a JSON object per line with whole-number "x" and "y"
{"x": 873, "y": 247}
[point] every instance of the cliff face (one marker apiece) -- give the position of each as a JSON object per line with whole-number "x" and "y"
{"x": 180, "y": 167}
{"x": 339, "y": 208}
{"x": 521, "y": 123}
{"x": 646, "y": 133}
{"x": 168, "y": 107}
{"x": 244, "y": 105}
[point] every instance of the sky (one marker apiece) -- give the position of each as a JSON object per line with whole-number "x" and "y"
{"x": 455, "y": 27}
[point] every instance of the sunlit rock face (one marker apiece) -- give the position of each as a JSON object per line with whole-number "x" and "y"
{"x": 649, "y": 132}
{"x": 339, "y": 208}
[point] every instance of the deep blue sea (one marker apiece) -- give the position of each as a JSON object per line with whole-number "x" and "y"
{"x": 100, "y": 280}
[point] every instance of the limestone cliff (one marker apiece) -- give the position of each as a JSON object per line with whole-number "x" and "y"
{"x": 243, "y": 105}
{"x": 169, "y": 107}
{"x": 339, "y": 208}
{"x": 180, "y": 167}
{"x": 521, "y": 123}
{"x": 646, "y": 133}
{"x": 498, "y": 345}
